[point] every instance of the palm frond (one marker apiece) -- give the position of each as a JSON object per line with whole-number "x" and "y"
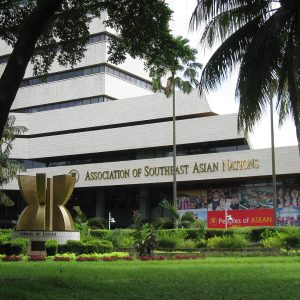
{"x": 262, "y": 59}
{"x": 294, "y": 74}
{"x": 226, "y": 23}
{"x": 227, "y": 56}
{"x": 170, "y": 208}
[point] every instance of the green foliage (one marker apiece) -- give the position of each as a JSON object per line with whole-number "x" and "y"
{"x": 84, "y": 229}
{"x": 98, "y": 223}
{"x": 196, "y": 233}
{"x": 145, "y": 236}
{"x": 187, "y": 220}
{"x": 100, "y": 233}
{"x": 234, "y": 241}
{"x": 51, "y": 247}
{"x": 189, "y": 216}
{"x": 153, "y": 42}
{"x": 121, "y": 238}
{"x": 273, "y": 239}
{"x": 167, "y": 243}
{"x": 80, "y": 215}
{"x": 92, "y": 246}
{"x": 98, "y": 246}
{"x": 71, "y": 247}
{"x": 19, "y": 246}
{"x": 262, "y": 40}
{"x": 186, "y": 244}
{"x": 163, "y": 223}
{"x": 5, "y": 248}
{"x": 5, "y": 235}
{"x": 9, "y": 168}
{"x": 291, "y": 241}
{"x": 201, "y": 243}
{"x": 179, "y": 233}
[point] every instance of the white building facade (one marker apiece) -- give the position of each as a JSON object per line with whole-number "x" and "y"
{"x": 103, "y": 123}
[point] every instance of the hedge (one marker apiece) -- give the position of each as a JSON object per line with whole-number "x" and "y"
{"x": 19, "y": 246}
{"x": 77, "y": 247}
{"x": 51, "y": 247}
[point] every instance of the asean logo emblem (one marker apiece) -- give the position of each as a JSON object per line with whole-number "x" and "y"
{"x": 213, "y": 220}
{"x": 75, "y": 174}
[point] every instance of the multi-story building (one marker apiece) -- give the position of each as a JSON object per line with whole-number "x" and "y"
{"x": 103, "y": 123}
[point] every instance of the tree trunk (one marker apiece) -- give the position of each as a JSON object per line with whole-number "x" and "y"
{"x": 32, "y": 28}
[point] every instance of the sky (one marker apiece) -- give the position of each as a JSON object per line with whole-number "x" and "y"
{"x": 222, "y": 101}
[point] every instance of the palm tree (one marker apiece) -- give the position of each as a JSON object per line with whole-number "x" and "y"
{"x": 188, "y": 67}
{"x": 262, "y": 39}
{"x": 9, "y": 168}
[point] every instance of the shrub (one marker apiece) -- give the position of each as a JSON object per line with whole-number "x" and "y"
{"x": 257, "y": 234}
{"x": 121, "y": 238}
{"x": 97, "y": 246}
{"x": 167, "y": 243}
{"x": 291, "y": 241}
{"x": 187, "y": 244}
{"x": 71, "y": 247}
{"x": 145, "y": 236}
{"x": 214, "y": 232}
{"x": 195, "y": 233}
{"x": 100, "y": 233}
{"x": 272, "y": 239}
{"x": 51, "y": 247}
{"x": 5, "y": 235}
{"x": 19, "y": 246}
{"x": 84, "y": 229}
{"x": 201, "y": 243}
{"x": 179, "y": 233}
{"x": 93, "y": 246}
{"x": 98, "y": 223}
{"x": 163, "y": 223}
{"x": 234, "y": 241}
{"x": 5, "y": 248}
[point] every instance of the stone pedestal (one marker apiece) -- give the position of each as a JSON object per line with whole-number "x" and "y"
{"x": 37, "y": 239}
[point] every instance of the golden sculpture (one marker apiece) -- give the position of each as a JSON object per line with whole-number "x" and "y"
{"x": 46, "y": 198}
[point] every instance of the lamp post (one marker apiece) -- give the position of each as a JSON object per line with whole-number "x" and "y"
{"x": 228, "y": 218}
{"x": 110, "y": 220}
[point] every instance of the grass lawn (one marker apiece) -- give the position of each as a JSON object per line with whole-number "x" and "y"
{"x": 210, "y": 278}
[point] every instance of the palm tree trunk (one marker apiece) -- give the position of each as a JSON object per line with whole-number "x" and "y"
{"x": 174, "y": 150}
{"x": 13, "y": 74}
{"x": 273, "y": 164}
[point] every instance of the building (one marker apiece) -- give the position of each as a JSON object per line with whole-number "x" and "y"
{"x": 103, "y": 123}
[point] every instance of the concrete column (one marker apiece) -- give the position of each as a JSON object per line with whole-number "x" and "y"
{"x": 100, "y": 204}
{"x": 144, "y": 204}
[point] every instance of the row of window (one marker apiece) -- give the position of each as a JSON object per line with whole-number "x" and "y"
{"x": 61, "y": 105}
{"x": 93, "y": 39}
{"x": 133, "y": 155}
{"x": 87, "y": 71}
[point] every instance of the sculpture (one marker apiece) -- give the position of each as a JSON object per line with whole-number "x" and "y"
{"x": 46, "y": 198}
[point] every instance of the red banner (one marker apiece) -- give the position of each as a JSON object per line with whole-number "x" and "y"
{"x": 240, "y": 218}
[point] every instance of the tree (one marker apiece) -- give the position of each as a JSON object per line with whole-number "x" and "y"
{"x": 187, "y": 220}
{"x": 33, "y": 27}
{"x": 9, "y": 168}
{"x": 187, "y": 65}
{"x": 262, "y": 39}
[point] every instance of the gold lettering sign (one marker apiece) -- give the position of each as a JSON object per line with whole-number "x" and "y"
{"x": 155, "y": 171}
{"x": 46, "y": 198}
